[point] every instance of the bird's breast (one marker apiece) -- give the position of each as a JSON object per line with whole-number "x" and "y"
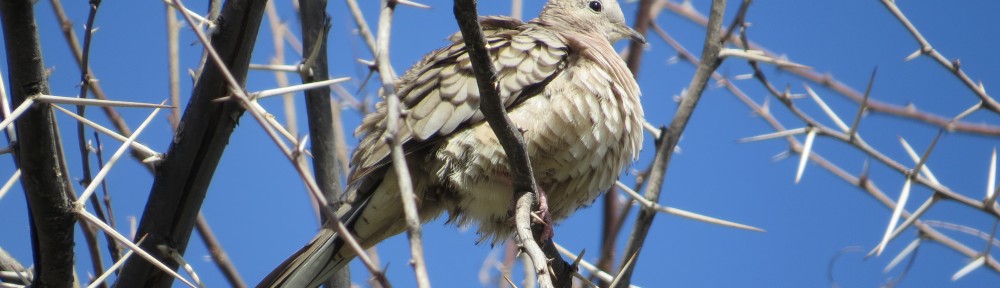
{"x": 586, "y": 134}
{"x": 581, "y": 131}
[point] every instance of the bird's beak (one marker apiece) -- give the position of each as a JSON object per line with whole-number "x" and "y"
{"x": 634, "y": 35}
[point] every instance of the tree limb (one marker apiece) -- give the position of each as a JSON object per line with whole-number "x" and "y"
{"x": 182, "y": 180}
{"x": 38, "y": 150}
{"x": 709, "y": 62}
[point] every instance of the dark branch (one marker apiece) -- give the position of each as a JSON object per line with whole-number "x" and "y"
{"x": 510, "y": 137}
{"x": 182, "y": 179}
{"x": 319, "y": 111}
{"x": 37, "y": 150}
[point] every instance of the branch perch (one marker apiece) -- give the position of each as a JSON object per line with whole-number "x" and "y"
{"x": 512, "y": 140}
{"x": 710, "y": 60}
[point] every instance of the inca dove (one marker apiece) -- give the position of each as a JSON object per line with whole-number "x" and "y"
{"x": 561, "y": 82}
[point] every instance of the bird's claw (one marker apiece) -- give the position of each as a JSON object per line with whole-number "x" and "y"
{"x": 543, "y": 217}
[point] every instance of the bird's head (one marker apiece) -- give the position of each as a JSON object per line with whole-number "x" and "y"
{"x": 601, "y": 16}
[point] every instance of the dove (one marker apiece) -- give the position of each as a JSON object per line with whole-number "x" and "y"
{"x": 561, "y": 82}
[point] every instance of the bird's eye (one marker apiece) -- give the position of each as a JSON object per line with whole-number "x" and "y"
{"x": 596, "y": 6}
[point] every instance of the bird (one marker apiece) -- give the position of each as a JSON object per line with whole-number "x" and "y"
{"x": 562, "y": 84}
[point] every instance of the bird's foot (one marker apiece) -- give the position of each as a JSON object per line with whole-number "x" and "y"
{"x": 543, "y": 217}
{"x": 540, "y": 216}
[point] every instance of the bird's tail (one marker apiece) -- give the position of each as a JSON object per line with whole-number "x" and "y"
{"x": 311, "y": 265}
{"x": 320, "y": 259}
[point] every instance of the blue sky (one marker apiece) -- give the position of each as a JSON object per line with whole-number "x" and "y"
{"x": 260, "y": 211}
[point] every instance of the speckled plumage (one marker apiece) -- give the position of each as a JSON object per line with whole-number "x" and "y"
{"x": 562, "y": 83}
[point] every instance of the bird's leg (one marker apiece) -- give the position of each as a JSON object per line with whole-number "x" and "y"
{"x": 542, "y": 216}
{"x": 539, "y": 216}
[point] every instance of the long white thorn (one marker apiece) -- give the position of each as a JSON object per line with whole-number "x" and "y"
{"x": 17, "y": 112}
{"x": 683, "y": 213}
{"x": 806, "y": 149}
{"x": 829, "y": 112}
{"x": 10, "y": 183}
{"x": 896, "y": 213}
{"x": 991, "y": 180}
{"x": 114, "y": 158}
{"x": 149, "y": 152}
{"x": 96, "y": 102}
{"x": 756, "y": 55}
{"x": 651, "y": 129}
{"x": 902, "y": 254}
{"x": 195, "y": 15}
{"x": 164, "y": 250}
{"x": 83, "y": 214}
{"x": 926, "y": 170}
{"x": 296, "y": 88}
{"x": 909, "y": 220}
{"x": 604, "y": 276}
{"x": 275, "y": 67}
{"x": 707, "y": 219}
{"x": 121, "y": 261}
{"x": 976, "y": 263}
{"x": 778, "y": 134}
{"x": 913, "y": 55}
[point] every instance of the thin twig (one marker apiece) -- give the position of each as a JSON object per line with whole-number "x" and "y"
{"x": 95, "y": 87}
{"x": 92, "y": 186}
{"x": 322, "y": 134}
{"x": 359, "y": 20}
{"x": 827, "y": 80}
{"x": 402, "y": 171}
{"x": 136, "y": 146}
{"x": 113, "y": 246}
{"x": 643, "y": 17}
{"x": 953, "y": 66}
{"x": 83, "y": 215}
{"x": 510, "y": 137}
{"x": 219, "y": 255}
{"x": 709, "y": 62}
{"x": 277, "y": 37}
{"x": 167, "y": 188}
{"x": 85, "y": 80}
{"x": 865, "y": 184}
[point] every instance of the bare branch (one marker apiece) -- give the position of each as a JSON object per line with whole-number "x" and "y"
{"x": 827, "y": 80}
{"x": 95, "y": 87}
{"x": 709, "y": 62}
{"x": 182, "y": 179}
{"x": 952, "y": 66}
{"x": 219, "y": 255}
{"x": 38, "y": 150}
{"x": 511, "y": 138}
{"x": 862, "y": 181}
{"x": 408, "y": 198}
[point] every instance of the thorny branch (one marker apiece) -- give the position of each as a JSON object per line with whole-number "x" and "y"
{"x": 94, "y": 86}
{"x": 709, "y": 62}
{"x": 828, "y": 80}
{"x": 511, "y": 138}
{"x": 953, "y": 66}
{"x": 413, "y": 231}
{"x": 850, "y": 137}
{"x": 926, "y": 229}
{"x": 38, "y": 150}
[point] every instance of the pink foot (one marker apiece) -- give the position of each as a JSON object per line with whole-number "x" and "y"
{"x": 542, "y": 216}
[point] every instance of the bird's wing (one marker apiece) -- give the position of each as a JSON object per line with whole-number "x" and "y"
{"x": 440, "y": 94}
